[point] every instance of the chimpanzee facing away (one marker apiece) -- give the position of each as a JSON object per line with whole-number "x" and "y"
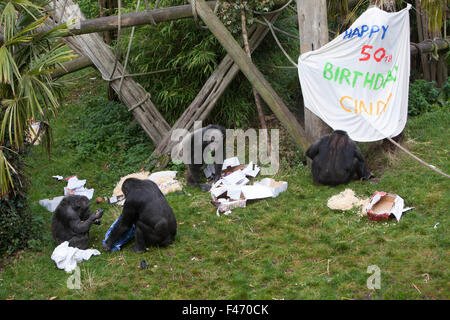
{"x": 146, "y": 207}
{"x": 208, "y": 136}
{"x": 336, "y": 159}
{"x": 72, "y": 220}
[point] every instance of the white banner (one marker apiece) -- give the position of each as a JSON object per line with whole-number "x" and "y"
{"x": 359, "y": 81}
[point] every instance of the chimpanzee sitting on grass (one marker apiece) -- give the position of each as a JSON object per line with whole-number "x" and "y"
{"x": 145, "y": 207}
{"x": 337, "y": 159}
{"x": 72, "y": 221}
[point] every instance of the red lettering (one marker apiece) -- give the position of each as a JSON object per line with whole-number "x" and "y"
{"x": 380, "y": 57}
{"x": 365, "y": 53}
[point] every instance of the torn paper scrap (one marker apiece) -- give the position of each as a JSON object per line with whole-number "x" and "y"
{"x": 251, "y": 170}
{"x": 89, "y": 193}
{"x": 52, "y": 204}
{"x": 74, "y": 183}
{"x": 230, "y": 162}
{"x": 276, "y": 186}
{"x": 383, "y": 204}
{"x": 76, "y": 187}
{"x": 237, "y": 177}
{"x": 256, "y": 192}
{"x": 224, "y": 205}
{"x": 67, "y": 257}
{"x": 166, "y": 181}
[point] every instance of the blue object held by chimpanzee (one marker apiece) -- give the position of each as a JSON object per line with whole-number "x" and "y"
{"x": 119, "y": 243}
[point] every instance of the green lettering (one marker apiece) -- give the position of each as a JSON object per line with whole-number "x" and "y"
{"x": 369, "y": 81}
{"x": 378, "y": 83}
{"x": 327, "y": 71}
{"x": 356, "y": 75}
{"x": 344, "y": 75}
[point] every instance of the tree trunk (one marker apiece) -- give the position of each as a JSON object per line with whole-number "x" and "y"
{"x": 313, "y": 27}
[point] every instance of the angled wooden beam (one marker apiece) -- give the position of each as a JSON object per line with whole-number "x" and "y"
{"x": 131, "y": 93}
{"x": 211, "y": 91}
{"x": 252, "y": 73}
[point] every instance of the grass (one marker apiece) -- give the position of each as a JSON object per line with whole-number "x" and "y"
{"x": 289, "y": 247}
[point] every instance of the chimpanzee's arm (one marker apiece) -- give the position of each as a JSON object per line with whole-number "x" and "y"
{"x": 313, "y": 150}
{"x": 77, "y": 225}
{"x": 124, "y": 224}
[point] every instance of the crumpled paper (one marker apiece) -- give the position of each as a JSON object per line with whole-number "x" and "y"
{"x": 67, "y": 257}
{"x": 74, "y": 187}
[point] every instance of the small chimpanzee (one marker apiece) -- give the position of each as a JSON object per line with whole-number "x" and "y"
{"x": 72, "y": 220}
{"x": 336, "y": 159}
{"x": 211, "y": 138}
{"x": 146, "y": 207}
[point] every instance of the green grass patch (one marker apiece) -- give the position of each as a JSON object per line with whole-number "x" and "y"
{"x": 289, "y": 247}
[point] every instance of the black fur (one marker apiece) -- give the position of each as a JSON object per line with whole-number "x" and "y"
{"x": 72, "y": 221}
{"x": 193, "y": 174}
{"x": 147, "y": 208}
{"x": 336, "y": 159}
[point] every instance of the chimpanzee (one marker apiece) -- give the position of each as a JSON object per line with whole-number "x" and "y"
{"x": 145, "y": 207}
{"x": 336, "y": 159}
{"x": 72, "y": 220}
{"x": 211, "y": 138}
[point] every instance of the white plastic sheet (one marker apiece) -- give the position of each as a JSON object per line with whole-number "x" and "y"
{"x": 359, "y": 81}
{"x": 67, "y": 257}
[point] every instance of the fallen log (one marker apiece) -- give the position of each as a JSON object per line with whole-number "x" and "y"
{"x": 72, "y": 66}
{"x": 127, "y": 20}
{"x": 429, "y": 46}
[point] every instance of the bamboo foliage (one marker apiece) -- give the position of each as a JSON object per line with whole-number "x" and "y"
{"x": 27, "y": 91}
{"x": 436, "y": 11}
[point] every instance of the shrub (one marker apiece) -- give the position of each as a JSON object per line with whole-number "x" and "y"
{"x": 104, "y": 128}
{"x": 18, "y": 227}
{"x": 422, "y": 96}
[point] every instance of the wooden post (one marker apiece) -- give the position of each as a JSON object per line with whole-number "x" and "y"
{"x": 252, "y": 73}
{"x": 313, "y": 27}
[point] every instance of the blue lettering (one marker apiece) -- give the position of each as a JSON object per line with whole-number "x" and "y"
{"x": 348, "y": 34}
{"x": 384, "y": 31}
{"x": 356, "y": 33}
{"x": 364, "y": 28}
{"x": 361, "y": 31}
{"x": 374, "y": 29}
